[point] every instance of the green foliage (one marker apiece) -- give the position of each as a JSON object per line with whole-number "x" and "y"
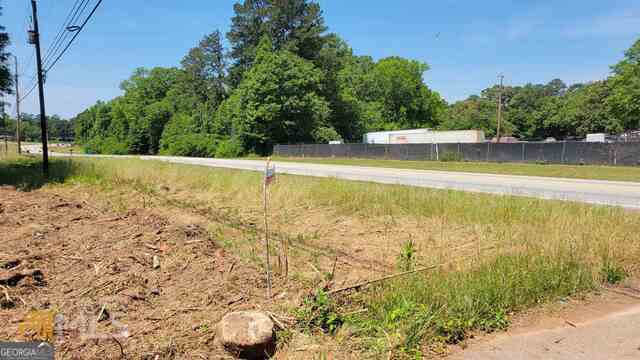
{"x": 182, "y": 138}
{"x": 108, "y": 145}
{"x": 624, "y": 100}
{"x": 277, "y": 102}
{"x": 6, "y": 80}
{"x": 612, "y": 273}
{"x": 295, "y": 25}
{"x": 535, "y": 112}
{"x": 407, "y": 256}
{"x": 286, "y": 80}
{"x": 445, "y": 306}
{"x": 389, "y": 94}
{"x": 288, "y": 83}
{"x": 229, "y": 148}
{"x": 319, "y": 311}
{"x": 325, "y": 134}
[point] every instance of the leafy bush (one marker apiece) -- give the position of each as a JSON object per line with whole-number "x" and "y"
{"x": 612, "y": 273}
{"x": 319, "y": 311}
{"x": 108, "y": 145}
{"x": 228, "y": 149}
{"x": 195, "y": 145}
{"x": 323, "y": 135}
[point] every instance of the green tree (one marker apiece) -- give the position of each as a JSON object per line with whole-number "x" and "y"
{"x": 277, "y": 102}
{"x": 587, "y": 111}
{"x": 205, "y": 68}
{"x": 389, "y": 94}
{"x": 293, "y": 25}
{"x": 6, "y": 81}
{"x": 624, "y": 99}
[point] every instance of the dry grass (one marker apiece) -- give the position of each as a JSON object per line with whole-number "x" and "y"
{"x": 502, "y": 254}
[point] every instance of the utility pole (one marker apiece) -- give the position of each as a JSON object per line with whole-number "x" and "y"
{"x": 501, "y": 77}
{"x": 18, "y": 121}
{"x": 34, "y": 38}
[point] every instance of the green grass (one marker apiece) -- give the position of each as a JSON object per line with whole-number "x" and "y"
{"x": 498, "y": 254}
{"x": 444, "y": 307}
{"x": 615, "y": 173}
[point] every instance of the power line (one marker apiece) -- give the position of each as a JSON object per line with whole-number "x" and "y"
{"x": 29, "y": 92}
{"x": 74, "y": 36}
{"x": 62, "y": 29}
{"x": 62, "y": 32}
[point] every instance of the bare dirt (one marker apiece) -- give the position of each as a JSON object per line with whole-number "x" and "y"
{"x": 599, "y": 326}
{"x": 95, "y": 268}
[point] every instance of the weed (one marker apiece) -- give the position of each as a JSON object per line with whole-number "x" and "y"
{"x": 445, "y": 306}
{"x": 319, "y": 311}
{"x": 612, "y": 273}
{"x": 407, "y": 256}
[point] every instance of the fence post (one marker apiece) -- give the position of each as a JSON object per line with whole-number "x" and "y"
{"x": 437, "y": 152}
{"x": 488, "y": 150}
{"x": 564, "y": 149}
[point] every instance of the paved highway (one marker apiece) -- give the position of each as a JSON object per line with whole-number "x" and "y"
{"x": 624, "y": 194}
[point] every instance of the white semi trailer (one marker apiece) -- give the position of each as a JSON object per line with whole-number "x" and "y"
{"x": 424, "y": 136}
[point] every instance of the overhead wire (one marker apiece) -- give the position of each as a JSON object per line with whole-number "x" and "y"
{"x": 63, "y": 33}
{"x": 74, "y": 15}
{"x": 84, "y": 23}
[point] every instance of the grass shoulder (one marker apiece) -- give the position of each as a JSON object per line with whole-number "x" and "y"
{"x": 612, "y": 173}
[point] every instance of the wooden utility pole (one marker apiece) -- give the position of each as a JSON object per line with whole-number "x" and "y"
{"x": 501, "y": 77}
{"x": 18, "y": 121}
{"x": 35, "y": 40}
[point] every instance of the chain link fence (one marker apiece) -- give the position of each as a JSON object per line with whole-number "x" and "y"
{"x": 568, "y": 152}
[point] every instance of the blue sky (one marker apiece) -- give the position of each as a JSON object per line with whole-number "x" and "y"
{"x": 466, "y": 43}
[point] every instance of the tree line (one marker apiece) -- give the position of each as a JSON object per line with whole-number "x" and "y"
{"x": 538, "y": 111}
{"x": 58, "y": 129}
{"x": 284, "y": 78}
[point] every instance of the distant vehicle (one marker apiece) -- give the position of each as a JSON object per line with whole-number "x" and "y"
{"x": 550, "y": 139}
{"x": 506, "y": 140}
{"x": 424, "y": 136}
{"x": 335, "y": 142}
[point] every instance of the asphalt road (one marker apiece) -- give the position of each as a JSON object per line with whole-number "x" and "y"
{"x": 614, "y": 336}
{"x": 625, "y": 194}
{"x": 615, "y": 193}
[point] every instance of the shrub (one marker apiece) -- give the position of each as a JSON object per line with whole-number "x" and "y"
{"x": 195, "y": 145}
{"x": 108, "y": 145}
{"x": 228, "y": 149}
{"x": 319, "y": 311}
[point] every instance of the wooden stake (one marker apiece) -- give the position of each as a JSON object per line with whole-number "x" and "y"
{"x": 266, "y": 230}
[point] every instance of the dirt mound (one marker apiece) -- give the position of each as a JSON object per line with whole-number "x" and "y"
{"x": 95, "y": 269}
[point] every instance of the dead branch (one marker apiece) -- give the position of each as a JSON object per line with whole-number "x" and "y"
{"x": 382, "y": 279}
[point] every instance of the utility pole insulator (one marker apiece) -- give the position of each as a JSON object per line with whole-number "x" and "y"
{"x": 32, "y": 37}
